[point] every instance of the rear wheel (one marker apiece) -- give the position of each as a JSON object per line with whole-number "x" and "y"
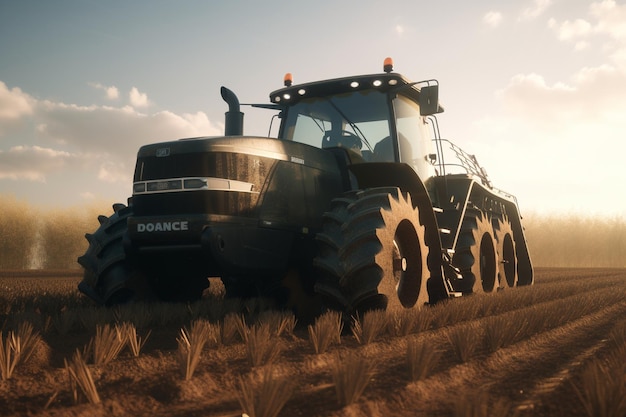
{"x": 380, "y": 257}
{"x": 507, "y": 267}
{"x": 475, "y": 254}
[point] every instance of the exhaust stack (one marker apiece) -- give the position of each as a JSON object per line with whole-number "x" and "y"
{"x": 233, "y": 123}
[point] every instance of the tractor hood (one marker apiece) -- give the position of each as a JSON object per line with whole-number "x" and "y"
{"x": 274, "y": 180}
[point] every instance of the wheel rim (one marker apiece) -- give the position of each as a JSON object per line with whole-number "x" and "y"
{"x": 407, "y": 264}
{"x": 508, "y": 255}
{"x": 488, "y": 267}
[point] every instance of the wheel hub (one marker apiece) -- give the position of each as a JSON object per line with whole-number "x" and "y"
{"x": 399, "y": 264}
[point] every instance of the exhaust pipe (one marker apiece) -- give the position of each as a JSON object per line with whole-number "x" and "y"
{"x": 233, "y": 123}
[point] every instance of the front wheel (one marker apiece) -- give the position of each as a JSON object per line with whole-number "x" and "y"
{"x": 109, "y": 277}
{"x": 380, "y": 262}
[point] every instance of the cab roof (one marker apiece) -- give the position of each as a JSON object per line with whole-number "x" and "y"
{"x": 384, "y": 82}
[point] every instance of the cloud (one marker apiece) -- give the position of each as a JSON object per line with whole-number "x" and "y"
{"x": 33, "y": 163}
{"x": 589, "y": 96}
{"x": 570, "y": 30}
{"x": 611, "y": 18}
{"x": 112, "y": 92}
{"x": 113, "y": 171}
{"x": 492, "y": 18}
{"x": 114, "y": 130}
{"x": 605, "y": 18}
{"x": 536, "y": 10}
{"x": 138, "y": 99}
{"x": 546, "y": 139}
{"x": 14, "y": 106}
{"x": 99, "y": 141}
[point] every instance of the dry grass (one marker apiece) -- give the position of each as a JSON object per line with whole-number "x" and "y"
{"x": 479, "y": 404}
{"x": 233, "y": 328}
{"x": 370, "y": 327}
{"x": 18, "y": 228}
{"x": 107, "y": 344}
{"x": 502, "y": 331}
{"x": 80, "y": 376}
{"x": 17, "y": 348}
{"x": 408, "y": 321}
{"x": 602, "y": 390}
{"x": 325, "y": 331}
{"x": 421, "y": 358}
{"x": 190, "y": 345}
{"x": 134, "y": 341}
{"x": 464, "y": 339}
{"x": 280, "y": 322}
{"x": 64, "y": 321}
{"x": 265, "y": 396}
{"x": 140, "y": 315}
{"x": 576, "y": 241}
{"x": 351, "y": 375}
{"x": 261, "y": 347}
{"x": 550, "y": 304}
{"x": 53, "y": 238}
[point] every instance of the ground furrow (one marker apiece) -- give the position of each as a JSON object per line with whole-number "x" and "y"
{"x": 514, "y": 373}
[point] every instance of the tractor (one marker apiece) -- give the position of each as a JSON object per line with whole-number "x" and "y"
{"x": 358, "y": 203}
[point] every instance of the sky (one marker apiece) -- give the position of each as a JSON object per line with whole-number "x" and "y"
{"x": 536, "y": 89}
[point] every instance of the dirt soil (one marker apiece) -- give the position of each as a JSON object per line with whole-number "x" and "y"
{"x": 531, "y": 377}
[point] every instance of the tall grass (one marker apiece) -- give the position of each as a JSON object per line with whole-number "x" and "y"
{"x": 39, "y": 238}
{"x": 18, "y": 225}
{"x": 63, "y": 236}
{"x": 576, "y": 241}
{"x": 34, "y": 237}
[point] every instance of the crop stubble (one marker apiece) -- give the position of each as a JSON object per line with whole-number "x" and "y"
{"x": 561, "y": 325}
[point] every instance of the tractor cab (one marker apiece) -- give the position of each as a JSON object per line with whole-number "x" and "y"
{"x": 376, "y": 118}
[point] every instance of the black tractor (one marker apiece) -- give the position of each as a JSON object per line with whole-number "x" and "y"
{"x": 358, "y": 204}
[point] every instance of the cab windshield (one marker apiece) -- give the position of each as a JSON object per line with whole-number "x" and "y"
{"x": 357, "y": 120}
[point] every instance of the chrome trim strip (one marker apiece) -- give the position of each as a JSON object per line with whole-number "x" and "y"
{"x": 173, "y": 185}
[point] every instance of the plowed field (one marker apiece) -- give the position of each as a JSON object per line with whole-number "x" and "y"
{"x": 525, "y": 351}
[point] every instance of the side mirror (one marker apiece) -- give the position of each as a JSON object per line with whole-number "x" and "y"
{"x": 429, "y": 100}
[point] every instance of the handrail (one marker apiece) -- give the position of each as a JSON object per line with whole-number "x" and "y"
{"x": 466, "y": 161}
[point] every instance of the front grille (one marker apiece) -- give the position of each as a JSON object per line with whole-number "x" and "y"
{"x": 196, "y": 202}
{"x": 225, "y": 183}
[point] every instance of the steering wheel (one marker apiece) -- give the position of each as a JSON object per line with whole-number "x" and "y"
{"x": 345, "y": 140}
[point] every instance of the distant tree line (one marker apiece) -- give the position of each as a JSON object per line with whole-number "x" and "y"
{"x": 576, "y": 241}
{"x": 37, "y": 238}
